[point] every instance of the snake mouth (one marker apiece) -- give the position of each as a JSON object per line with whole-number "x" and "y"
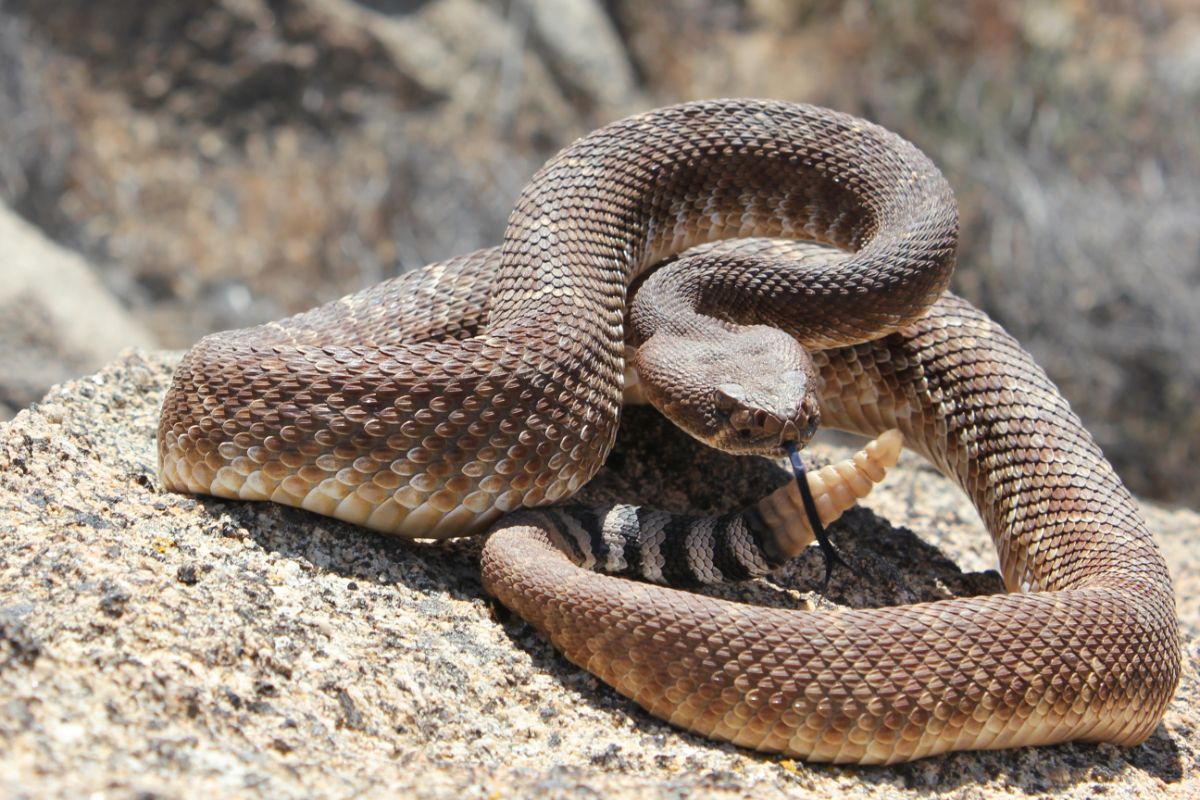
{"x": 797, "y": 434}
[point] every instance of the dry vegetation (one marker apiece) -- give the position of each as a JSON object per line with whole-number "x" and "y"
{"x": 229, "y": 161}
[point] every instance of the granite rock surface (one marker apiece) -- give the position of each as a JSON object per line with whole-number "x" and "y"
{"x": 157, "y": 645}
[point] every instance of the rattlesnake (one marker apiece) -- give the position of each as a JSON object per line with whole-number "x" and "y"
{"x": 437, "y": 402}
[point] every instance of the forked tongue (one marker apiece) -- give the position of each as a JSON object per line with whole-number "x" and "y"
{"x": 824, "y": 495}
{"x": 832, "y": 556}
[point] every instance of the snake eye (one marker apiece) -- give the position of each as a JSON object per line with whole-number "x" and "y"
{"x": 728, "y": 396}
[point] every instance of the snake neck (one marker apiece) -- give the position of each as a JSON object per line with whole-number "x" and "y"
{"x": 968, "y": 398}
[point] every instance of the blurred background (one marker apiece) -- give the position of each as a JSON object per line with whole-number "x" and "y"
{"x": 172, "y": 168}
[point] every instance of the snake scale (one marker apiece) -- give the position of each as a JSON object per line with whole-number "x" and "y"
{"x": 437, "y": 403}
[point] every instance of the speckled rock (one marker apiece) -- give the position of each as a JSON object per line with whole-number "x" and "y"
{"x": 168, "y": 646}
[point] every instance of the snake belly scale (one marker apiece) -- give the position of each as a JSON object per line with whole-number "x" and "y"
{"x": 437, "y": 403}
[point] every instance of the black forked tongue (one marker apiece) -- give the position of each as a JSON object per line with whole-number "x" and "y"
{"x": 832, "y": 556}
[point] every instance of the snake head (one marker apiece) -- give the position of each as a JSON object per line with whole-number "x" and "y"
{"x": 784, "y": 412}
{"x": 741, "y": 389}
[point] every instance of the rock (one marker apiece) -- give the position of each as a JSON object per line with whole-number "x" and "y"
{"x": 584, "y": 50}
{"x": 57, "y": 320}
{"x": 252, "y": 159}
{"x": 238, "y": 160}
{"x": 160, "y": 644}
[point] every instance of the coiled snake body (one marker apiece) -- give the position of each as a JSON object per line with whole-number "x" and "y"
{"x": 437, "y": 402}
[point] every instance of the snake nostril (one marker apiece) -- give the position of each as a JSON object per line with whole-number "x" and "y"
{"x": 740, "y": 420}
